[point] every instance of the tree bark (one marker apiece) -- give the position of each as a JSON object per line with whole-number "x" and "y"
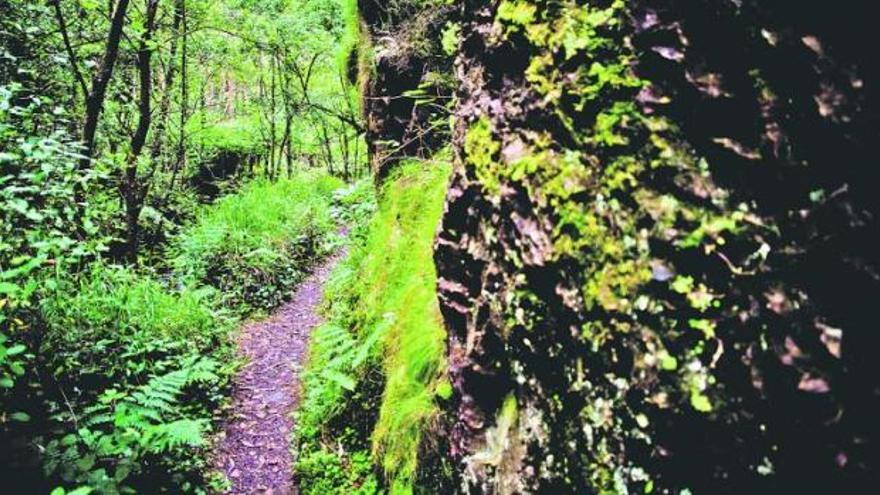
{"x": 180, "y": 159}
{"x": 133, "y": 190}
{"x": 100, "y": 82}
{"x": 170, "y": 74}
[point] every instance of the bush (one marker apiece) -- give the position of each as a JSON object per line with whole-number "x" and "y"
{"x": 354, "y": 205}
{"x": 38, "y": 177}
{"x": 135, "y": 325}
{"x": 327, "y": 473}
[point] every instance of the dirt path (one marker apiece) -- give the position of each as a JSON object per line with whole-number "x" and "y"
{"x": 255, "y": 451}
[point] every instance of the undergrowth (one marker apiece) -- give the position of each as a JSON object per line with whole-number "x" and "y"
{"x": 137, "y": 362}
{"x": 255, "y": 246}
{"x": 138, "y": 369}
{"x": 384, "y": 342}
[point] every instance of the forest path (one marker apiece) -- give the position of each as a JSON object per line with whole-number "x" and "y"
{"x": 254, "y": 453}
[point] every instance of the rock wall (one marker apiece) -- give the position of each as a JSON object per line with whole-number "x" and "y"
{"x": 659, "y": 250}
{"x": 408, "y": 84}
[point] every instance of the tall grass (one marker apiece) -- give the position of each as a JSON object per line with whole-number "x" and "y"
{"x": 105, "y": 322}
{"x": 385, "y": 320}
{"x": 256, "y": 245}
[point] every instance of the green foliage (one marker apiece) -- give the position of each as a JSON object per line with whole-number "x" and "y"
{"x": 354, "y": 206}
{"x": 451, "y": 38}
{"x": 238, "y": 135}
{"x": 134, "y": 324}
{"x": 119, "y": 371}
{"x": 141, "y": 395}
{"x": 352, "y": 46}
{"x": 138, "y": 401}
{"x": 401, "y": 281}
{"x": 326, "y": 473}
{"x": 384, "y": 320}
{"x": 38, "y": 177}
{"x": 254, "y": 246}
{"x": 126, "y": 431}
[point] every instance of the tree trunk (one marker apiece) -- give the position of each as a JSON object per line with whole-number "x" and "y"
{"x": 95, "y": 104}
{"x": 170, "y": 74}
{"x": 180, "y": 160}
{"x": 68, "y": 47}
{"x": 100, "y": 82}
{"x": 133, "y": 191}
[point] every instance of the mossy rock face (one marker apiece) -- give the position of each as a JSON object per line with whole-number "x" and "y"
{"x": 409, "y": 84}
{"x": 656, "y": 263}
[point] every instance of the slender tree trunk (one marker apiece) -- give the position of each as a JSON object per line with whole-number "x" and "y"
{"x": 95, "y": 103}
{"x": 133, "y": 191}
{"x": 170, "y": 73}
{"x": 328, "y": 149}
{"x": 180, "y": 161}
{"x": 71, "y": 54}
{"x": 289, "y": 146}
{"x": 272, "y": 109}
{"x": 100, "y": 82}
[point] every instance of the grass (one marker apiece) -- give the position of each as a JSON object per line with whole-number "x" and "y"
{"x": 383, "y": 317}
{"x": 261, "y": 217}
{"x": 404, "y": 285}
{"x": 255, "y": 245}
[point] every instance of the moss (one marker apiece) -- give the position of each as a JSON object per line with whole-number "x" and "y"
{"x": 481, "y": 151}
{"x": 451, "y": 38}
{"x": 594, "y": 194}
{"x": 403, "y": 283}
{"x": 355, "y": 56}
{"x": 384, "y": 319}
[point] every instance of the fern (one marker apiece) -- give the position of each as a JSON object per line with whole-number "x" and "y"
{"x": 338, "y": 360}
{"x": 151, "y": 419}
{"x": 181, "y": 433}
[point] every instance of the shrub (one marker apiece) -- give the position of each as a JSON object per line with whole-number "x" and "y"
{"x": 131, "y": 321}
{"x": 38, "y": 177}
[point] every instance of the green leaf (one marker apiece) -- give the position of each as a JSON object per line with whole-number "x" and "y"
{"x": 20, "y": 417}
{"x": 8, "y": 288}
{"x": 668, "y": 363}
{"x": 342, "y": 380}
{"x": 700, "y": 402}
{"x": 15, "y": 350}
{"x": 86, "y": 463}
{"x": 122, "y": 472}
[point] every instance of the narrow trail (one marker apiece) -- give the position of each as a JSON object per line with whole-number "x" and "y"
{"x": 254, "y": 453}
